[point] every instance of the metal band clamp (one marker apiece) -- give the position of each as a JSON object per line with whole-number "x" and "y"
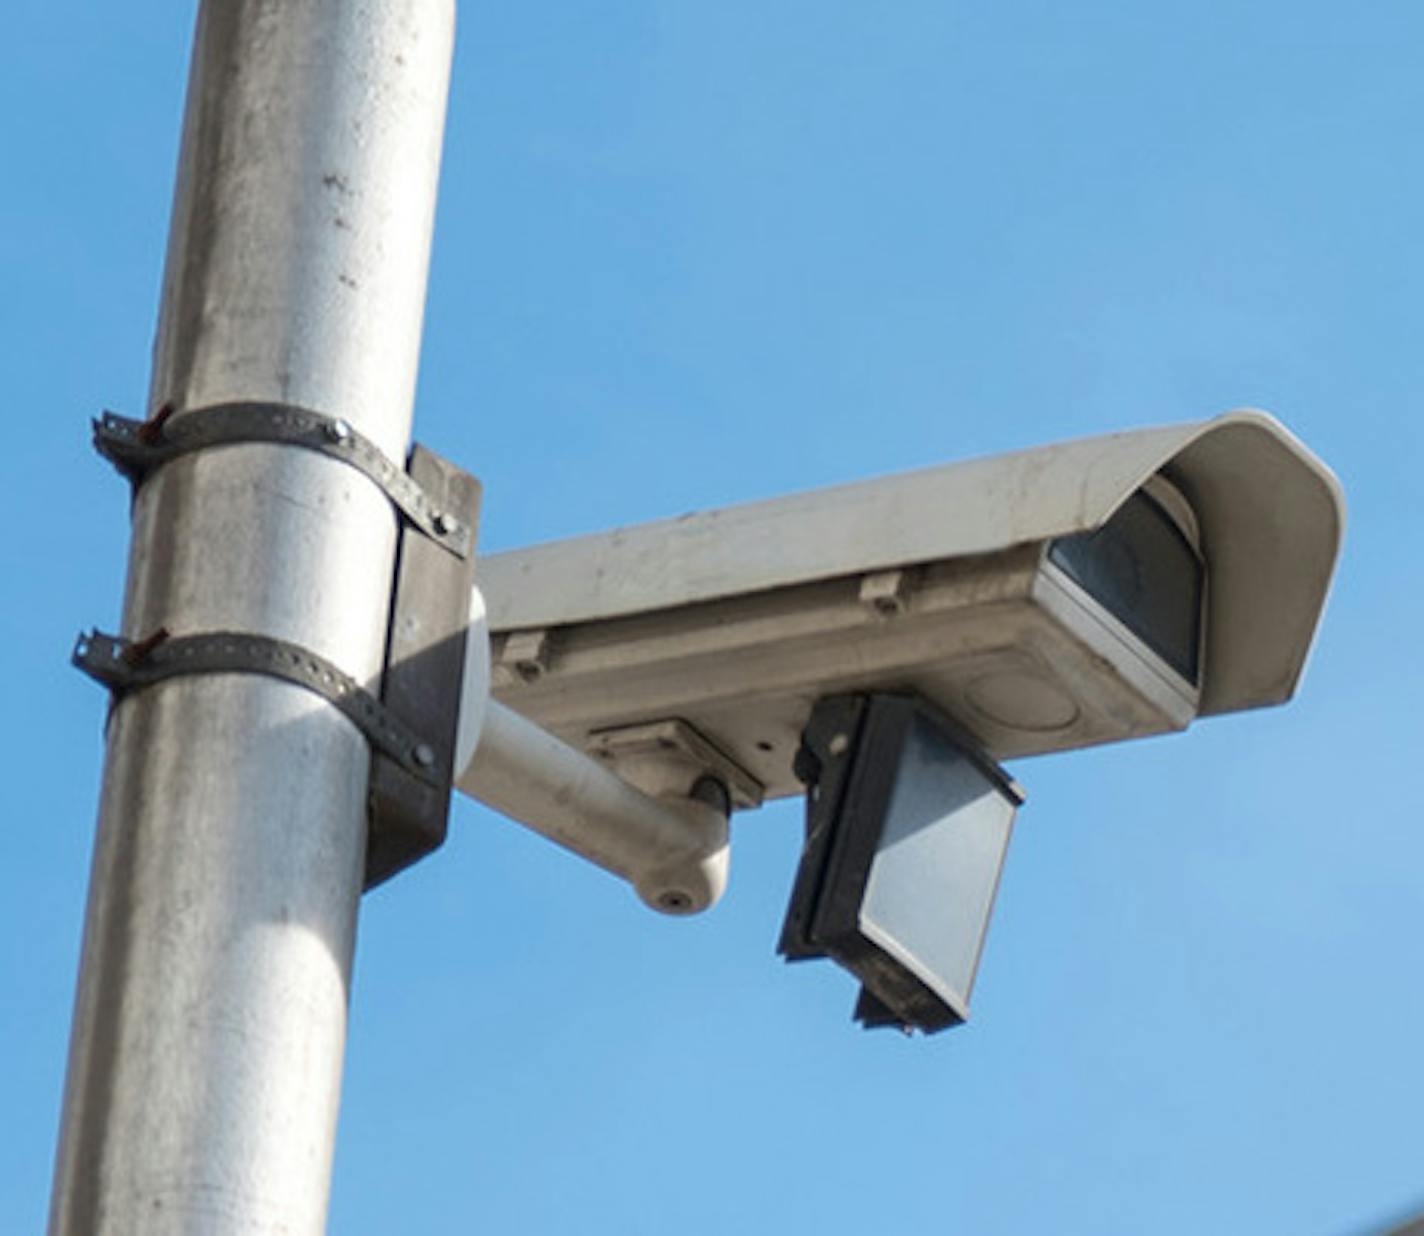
{"x": 137, "y": 448}
{"x": 126, "y": 665}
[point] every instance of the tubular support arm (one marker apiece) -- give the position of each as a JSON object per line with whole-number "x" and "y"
{"x": 674, "y": 851}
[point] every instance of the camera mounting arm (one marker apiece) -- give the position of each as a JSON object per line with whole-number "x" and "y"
{"x": 661, "y": 825}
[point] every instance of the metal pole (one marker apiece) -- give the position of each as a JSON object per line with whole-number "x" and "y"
{"x": 205, "y": 1062}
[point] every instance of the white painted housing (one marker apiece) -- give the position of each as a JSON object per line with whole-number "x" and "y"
{"x": 734, "y": 621}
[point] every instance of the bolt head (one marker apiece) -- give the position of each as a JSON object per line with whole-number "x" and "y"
{"x": 424, "y": 755}
{"x": 445, "y": 523}
{"x": 337, "y": 431}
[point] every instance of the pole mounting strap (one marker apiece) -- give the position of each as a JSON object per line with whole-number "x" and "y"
{"x": 125, "y": 665}
{"x": 136, "y": 448}
{"x": 413, "y": 726}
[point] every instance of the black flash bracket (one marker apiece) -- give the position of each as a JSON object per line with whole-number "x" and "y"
{"x": 410, "y": 720}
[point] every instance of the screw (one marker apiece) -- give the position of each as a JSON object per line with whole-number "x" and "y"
{"x": 424, "y": 755}
{"x": 445, "y": 524}
{"x": 337, "y": 431}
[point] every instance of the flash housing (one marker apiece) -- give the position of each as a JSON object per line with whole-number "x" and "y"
{"x": 907, "y": 827}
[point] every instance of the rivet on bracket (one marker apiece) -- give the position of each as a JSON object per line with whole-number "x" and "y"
{"x": 887, "y": 593}
{"x": 526, "y": 654}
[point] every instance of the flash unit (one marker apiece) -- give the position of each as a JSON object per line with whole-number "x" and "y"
{"x": 907, "y": 825}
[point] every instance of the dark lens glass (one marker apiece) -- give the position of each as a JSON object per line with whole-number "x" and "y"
{"x": 1142, "y": 569}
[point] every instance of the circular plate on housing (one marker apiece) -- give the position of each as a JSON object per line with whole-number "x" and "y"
{"x": 1018, "y": 700}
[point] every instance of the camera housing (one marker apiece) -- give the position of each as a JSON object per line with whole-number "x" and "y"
{"x": 1049, "y": 599}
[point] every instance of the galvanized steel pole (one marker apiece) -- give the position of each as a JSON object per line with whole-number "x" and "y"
{"x": 205, "y": 1063}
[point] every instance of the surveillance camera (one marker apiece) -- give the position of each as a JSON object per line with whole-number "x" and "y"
{"x": 1049, "y": 599}
{"x": 885, "y": 643}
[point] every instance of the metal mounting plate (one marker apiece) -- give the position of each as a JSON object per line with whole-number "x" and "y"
{"x": 424, "y": 674}
{"x": 676, "y": 739}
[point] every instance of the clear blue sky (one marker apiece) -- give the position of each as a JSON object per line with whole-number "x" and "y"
{"x": 694, "y": 253}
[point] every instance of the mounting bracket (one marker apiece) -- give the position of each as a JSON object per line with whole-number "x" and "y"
{"x": 411, "y": 717}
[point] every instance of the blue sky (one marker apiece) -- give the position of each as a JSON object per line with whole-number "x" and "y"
{"x": 689, "y": 254}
